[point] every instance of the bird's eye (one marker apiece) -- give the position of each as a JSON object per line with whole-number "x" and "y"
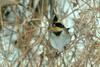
{"x": 53, "y": 24}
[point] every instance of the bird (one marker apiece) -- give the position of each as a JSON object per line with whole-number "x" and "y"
{"x": 59, "y": 34}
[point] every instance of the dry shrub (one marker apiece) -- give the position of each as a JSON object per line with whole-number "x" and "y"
{"x": 86, "y": 28}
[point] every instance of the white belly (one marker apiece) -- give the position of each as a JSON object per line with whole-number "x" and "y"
{"x": 58, "y": 42}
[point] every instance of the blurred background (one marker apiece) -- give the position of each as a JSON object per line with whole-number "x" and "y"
{"x": 25, "y": 38}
